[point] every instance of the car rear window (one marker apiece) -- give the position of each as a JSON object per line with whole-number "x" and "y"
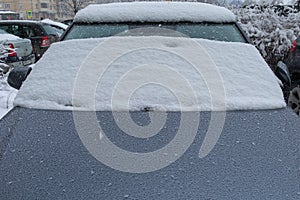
{"x": 49, "y": 30}
{"x": 220, "y": 32}
{"x": 96, "y": 31}
{"x": 6, "y": 28}
{"x": 2, "y": 31}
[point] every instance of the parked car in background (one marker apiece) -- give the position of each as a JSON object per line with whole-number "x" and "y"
{"x": 293, "y": 66}
{"x": 67, "y": 22}
{"x": 59, "y": 27}
{"x": 41, "y": 35}
{"x": 150, "y": 100}
{"x": 19, "y": 51}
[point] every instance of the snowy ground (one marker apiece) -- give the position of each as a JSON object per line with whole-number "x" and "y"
{"x": 7, "y": 95}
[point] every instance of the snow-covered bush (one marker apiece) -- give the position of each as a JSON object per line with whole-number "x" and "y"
{"x": 272, "y": 29}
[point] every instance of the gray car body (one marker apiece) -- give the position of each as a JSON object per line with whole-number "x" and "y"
{"x": 23, "y": 48}
{"x": 256, "y": 157}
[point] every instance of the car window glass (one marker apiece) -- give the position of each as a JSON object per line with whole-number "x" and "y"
{"x": 58, "y": 30}
{"x": 152, "y": 29}
{"x": 6, "y": 28}
{"x": 15, "y": 30}
{"x": 96, "y": 31}
{"x": 28, "y": 31}
{"x": 220, "y": 32}
{"x": 49, "y": 30}
{"x": 3, "y": 31}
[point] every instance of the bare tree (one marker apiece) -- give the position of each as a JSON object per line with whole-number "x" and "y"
{"x": 73, "y": 6}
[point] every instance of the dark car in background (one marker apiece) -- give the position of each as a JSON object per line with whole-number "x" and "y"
{"x": 293, "y": 65}
{"x": 67, "y": 22}
{"x": 59, "y": 27}
{"x": 41, "y": 35}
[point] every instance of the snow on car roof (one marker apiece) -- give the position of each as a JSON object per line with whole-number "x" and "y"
{"x": 19, "y": 21}
{"x": 4, "y": 37}
{"x": 154, "y": 12}
{"x": 69, "y": 69}
{"x": 58, "y": 24}
{"x": 7, "y": 12}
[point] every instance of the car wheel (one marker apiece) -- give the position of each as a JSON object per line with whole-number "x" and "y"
{"x": 294, "y": 100}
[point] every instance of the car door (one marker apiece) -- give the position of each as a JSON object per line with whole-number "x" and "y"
{"x": 31, "y": 31}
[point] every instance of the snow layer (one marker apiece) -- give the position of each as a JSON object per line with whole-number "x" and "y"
{"x": 272, "y": 30}
{"x": 5, "y": 37}
{"x": 154, "y": 12}
{"x": 7, "y": 95}
{"x": 158, "y": 73}
{"x": 58, "y": 24}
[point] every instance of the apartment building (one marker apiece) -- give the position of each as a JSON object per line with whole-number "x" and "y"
{"x": 37, "y": 9}
{"x": 31, "y": 9}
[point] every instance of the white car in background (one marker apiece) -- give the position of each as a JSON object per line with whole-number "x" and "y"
{"x": 19, "y": 51}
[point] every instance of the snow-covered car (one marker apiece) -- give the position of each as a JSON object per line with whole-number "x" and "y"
{"x": 143, "y": 106}
{"x": 58, "y": 26}
{"x": 21, "y": 50}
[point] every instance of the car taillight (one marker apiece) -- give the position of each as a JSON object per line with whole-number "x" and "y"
{"x": 11, "y": 46}
{"x": 12, "y": 53}
{"x": 293, "y": 47}
{"x": 45, "y": 41}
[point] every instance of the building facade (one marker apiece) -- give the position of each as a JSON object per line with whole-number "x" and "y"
{"x": 42, "y": 9}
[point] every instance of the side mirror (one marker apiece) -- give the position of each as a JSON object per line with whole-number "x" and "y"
{"x": 17, "y": 76}
{"x": 282, "y": 72}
